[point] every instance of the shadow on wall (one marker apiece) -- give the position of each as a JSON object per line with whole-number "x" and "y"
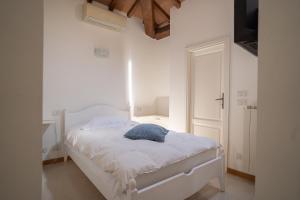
{"x": 160, "y": 106}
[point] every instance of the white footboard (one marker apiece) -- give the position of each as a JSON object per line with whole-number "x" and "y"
{"x": 178, "y": 187}
{"x": 183, "y": 185}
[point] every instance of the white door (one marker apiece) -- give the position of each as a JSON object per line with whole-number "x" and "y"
{"x": 209, "y": 89}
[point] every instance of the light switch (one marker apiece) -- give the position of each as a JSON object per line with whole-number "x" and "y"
{"x": 242, "y": 102}
{"x": 101, "y": 52}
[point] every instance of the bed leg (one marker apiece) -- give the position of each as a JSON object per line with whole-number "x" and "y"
{"x": 221, "y": 177}
{"x": 65, "y": 157}
{"x": 222, "y": 183}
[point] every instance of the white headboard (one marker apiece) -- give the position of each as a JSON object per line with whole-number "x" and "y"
{"x": 73, "y": 118}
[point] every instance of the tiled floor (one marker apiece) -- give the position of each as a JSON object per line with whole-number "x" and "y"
{"x": 65, "y": 181}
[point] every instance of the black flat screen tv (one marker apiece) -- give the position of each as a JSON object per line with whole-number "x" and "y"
{"x": 246, "y": 24}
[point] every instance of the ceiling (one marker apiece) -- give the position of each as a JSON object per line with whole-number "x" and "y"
{"x": 154, "y": 13}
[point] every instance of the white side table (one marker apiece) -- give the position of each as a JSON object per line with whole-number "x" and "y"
{"x": 46, "y": 124}
{"x": 153, "y": 119}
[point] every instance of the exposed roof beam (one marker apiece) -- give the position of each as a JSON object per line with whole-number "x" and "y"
{"x": 151, "y": 10}
{"x": 177, "y": 3}
{"x": 163, "y": 24}
{"x": 112, "y": 5}
{"x": 148, "y": 17}
{"x": 132, "y": 8}
{"x": 162, "y": 10}
{"x": 162, "y": 29}
{"x": 162, "y": 32}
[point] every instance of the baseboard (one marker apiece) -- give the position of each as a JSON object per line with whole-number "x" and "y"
{"x": 54, "y": 160}
{"x": 241, "y": 174}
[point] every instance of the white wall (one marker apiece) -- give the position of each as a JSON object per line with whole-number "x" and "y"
{"x": 201, "y": 21}
{"x": 21, "y": 61}
{"x": 150, "y": 63}
{"x": 74, "y": 77}
{"x": 278, "y": 163}
{"x": 243, "y": 79}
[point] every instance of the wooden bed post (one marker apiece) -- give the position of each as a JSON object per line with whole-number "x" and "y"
{"x": 221, "y": 177}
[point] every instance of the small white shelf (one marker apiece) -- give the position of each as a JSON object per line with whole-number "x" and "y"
{"x": 153, "y": 119}
{"x": 48, "y": 122}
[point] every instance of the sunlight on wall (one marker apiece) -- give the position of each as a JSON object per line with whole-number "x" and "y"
{"x": 130, "y": 93}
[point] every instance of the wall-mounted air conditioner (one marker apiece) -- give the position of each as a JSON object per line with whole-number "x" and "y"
{"x": 105, "y": 18}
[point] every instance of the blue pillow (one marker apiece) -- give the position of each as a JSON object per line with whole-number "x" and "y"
{"x": 147, "y": 132}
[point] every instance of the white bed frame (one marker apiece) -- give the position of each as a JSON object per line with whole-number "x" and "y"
{"x": 178, "y": 187}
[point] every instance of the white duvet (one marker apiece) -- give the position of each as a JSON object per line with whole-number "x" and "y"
{"x": 125, "y": 159}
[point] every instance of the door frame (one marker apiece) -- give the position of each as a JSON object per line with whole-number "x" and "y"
{"x": 227, "y": 48}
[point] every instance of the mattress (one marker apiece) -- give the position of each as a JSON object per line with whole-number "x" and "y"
{"x": 147, "y": 179}
{"x": 140, "y": 163}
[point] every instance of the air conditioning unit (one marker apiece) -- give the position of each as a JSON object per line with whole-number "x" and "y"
{"x": 105, "y": 18}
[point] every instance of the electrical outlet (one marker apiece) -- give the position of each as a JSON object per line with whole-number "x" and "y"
{"x": 242, "y": 93}
{"x": 56, "y": 148}
{"x": 138, "y": 108}
{"x": 242, "y": 102}
{"x": 56, "y": 112}
{"x": 101, "y": 52}
{"x": 239, "y": 156}
{"x": 44, "y": 150}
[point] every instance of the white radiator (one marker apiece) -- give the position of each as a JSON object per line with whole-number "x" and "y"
{"x": 250, "y": 132}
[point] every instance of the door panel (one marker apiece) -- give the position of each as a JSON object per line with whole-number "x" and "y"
{"x": 208, "y": 90}
{"x": 206, "y": 131}
{"x": 206, "y": 114}
{"x": 207, "y": 85}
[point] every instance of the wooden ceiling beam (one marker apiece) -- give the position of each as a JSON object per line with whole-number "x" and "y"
{"x": 162, "y": 10}
{"x": 162, "y": 29}
{"x": 177, "y": 3}
{"x": 162, "y": 35}
{"x": 112, "y": 5}
{"x": 154, "y": 13}
{"x": 163, "y": 24}
{"x": 132, "y": 8}
{"x": 162, "y": 32}
{"x": 148, "y": 17}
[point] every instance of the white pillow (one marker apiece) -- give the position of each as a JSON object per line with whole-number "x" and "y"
{"x": 105, "y": 122}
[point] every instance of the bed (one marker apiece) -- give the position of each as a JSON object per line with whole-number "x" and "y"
{"x": 165, "y": 179}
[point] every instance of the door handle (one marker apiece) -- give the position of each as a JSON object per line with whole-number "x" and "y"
{"x": 221, "y": 99}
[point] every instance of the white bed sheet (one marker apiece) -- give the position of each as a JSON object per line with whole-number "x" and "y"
{"x": 127, "y": 160}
